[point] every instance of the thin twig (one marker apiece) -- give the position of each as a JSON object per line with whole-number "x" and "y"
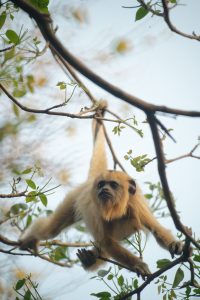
{"x": 8, "y": 48}
{"x": 43, "y": 111}
{"x": 116, "y": 161}
{"x": 189, "y": 154}
{"x": 172, "y": 27}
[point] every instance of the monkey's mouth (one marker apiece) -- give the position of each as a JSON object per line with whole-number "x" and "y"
{"x": 105, "y": 196}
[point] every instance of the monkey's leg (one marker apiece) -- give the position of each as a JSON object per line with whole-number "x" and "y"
{"x": 123, "y": 256}
{"x": 48, "y": 227}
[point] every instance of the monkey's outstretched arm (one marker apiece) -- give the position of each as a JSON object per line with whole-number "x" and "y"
{"x": 90, "y": 260}
{"x": 48, "y": 227}
{"x": 163, "y": 236}
{"x": 123, "y": 256}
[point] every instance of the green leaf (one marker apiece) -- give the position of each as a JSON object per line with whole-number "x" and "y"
{"x": 165, "y": 297}
{"x": 27, "y": 171}
{"x": 60, "y": 253}
{"x": 19, "y": 92}
{"x": 173, "y": 294}
{"x": 110, "y": 277}
{"x": 163, "y": 263}
{"x": 2, "y": 19}
{"x": 16, "y": 208}
{"x": 28, "y": 221}
{"x": 120, "y": 280}
{"x": 41, "y": 5}
{"x": 102, "y": 295}
{"x": 31, "y": 184}
{"x": 197, "y": 258}
{"x": 178, "y": 277}
{"x": 188, "y": 291}
{"x": 27, "y": 295}
{"x": 43, "y": 199}
{"x": 12, "y": 36}
{"x": 31, "y": 196}
{"x": 15, "y": 110}
{"x": 141, "y": 13}
{"x": 9, "y": 54}
{"x": 135, "y": 283}
{"x": 103, "y": 273}
{"x": 159, "y": 289}
{"x": 20, "y": 284}
{"x": 197, "y": 291}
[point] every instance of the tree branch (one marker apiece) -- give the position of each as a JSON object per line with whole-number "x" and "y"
{"x": 189, "y": 154}
{"x": 44, "y": 22}
{"x": 172, "y": 27}
{"x": 163, "y": 178}
{"x": 44, "y": 111}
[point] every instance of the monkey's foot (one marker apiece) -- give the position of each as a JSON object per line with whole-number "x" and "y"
{"x": 176, "y": 247}
{"x": 142, "y": 269}
{"x": 28, "y": 243}
{"x": 87, "y": 257}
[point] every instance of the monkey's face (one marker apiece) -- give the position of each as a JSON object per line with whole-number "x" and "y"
{"x": 112, "y": 191}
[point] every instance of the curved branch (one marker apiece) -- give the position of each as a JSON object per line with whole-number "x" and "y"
{"x": 9, "y": 242}
{"x": 44, "y": 111}
{"x": 189, "y": 154}
{"x": 172, "y": 27}
{"x": 163, "y": 178}
{"x": 44, "y": 22}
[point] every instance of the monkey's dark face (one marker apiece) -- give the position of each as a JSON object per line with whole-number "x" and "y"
{"x": 106, "y": 190}
{"x": 112, "y": 192}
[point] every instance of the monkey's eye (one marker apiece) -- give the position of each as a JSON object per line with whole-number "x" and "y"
{"x": 114, "y": 185}
{"x": 101, "y": 184}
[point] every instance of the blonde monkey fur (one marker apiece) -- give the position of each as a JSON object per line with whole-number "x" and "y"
{"x": 112, "y": 207}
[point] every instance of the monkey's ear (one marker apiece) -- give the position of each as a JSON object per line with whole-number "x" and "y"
{"x": 132, "y": 186}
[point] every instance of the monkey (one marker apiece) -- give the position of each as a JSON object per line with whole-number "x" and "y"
{"x": 112, "y": 206}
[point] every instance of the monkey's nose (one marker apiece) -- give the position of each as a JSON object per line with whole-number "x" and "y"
{"x": 105, "y": 190}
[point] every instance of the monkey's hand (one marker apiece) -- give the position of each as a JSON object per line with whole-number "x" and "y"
{"x": 176, "y": 248}
{"x": 141, "y": 269}
{"x": 87, "y": 257}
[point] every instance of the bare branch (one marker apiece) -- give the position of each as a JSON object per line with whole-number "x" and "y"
{"x": 163, "y": 178}
{"x": 13, "y": 195}
{"x": 9, "y": 242}
{"x": 8, "y": 48}
{"x": 172, "y": 27}
{"x": 44, "y": 22}
{"x": 189, "y": 154}
{"x": 44, "y": 111}
{"x": 116, "y": 161}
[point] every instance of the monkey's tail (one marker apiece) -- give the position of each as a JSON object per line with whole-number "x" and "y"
{"x": 97, "y": 123}
{"x": 98, "y": 163}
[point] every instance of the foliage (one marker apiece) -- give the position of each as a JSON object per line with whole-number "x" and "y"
{"x": 115, "y": 282}
{"x": 27, "y": 289}
{"x": 138, "y": 162}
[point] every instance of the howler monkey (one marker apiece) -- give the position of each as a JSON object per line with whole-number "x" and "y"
{"x": 112, "y": 206}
